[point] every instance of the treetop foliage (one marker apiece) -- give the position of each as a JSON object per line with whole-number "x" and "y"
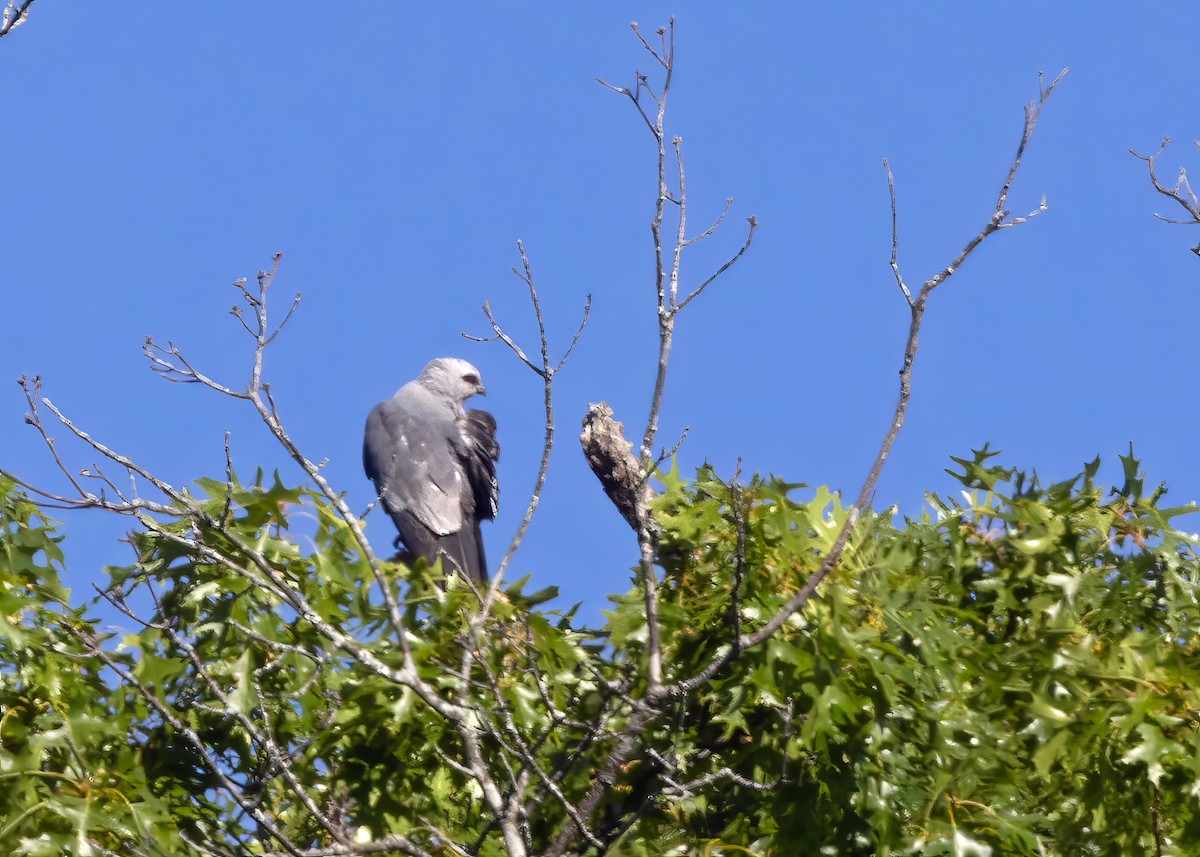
{"x": 1013, "y": 672}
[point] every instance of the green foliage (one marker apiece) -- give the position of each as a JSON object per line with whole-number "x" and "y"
{"x": 1015, "y": 672}
{"x": 71, "y": 771}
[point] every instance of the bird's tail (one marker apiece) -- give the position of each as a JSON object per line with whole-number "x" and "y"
{"x": 463, "y": 553}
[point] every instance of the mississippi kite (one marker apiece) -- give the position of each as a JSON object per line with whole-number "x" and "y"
{"x": 434, "y": 465}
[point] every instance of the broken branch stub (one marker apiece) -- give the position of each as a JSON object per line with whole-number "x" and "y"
{"x": 610, "y": 457}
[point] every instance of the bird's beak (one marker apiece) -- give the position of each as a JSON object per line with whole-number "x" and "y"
{"x": 481, "y": 390}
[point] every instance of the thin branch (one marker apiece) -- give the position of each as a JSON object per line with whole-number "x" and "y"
{"x": 97, "y": 473}
{"x": 665, "y": 319}
{"x": 392, "y": 842}
{"x": 801, "y": 597}
{"x": 1181, "y": 192}
{"x": 229, "y": 482}
{"x": 664, "y": 454}
{"x": 895, "y": 267}
{"x": 546, "y": 372}
{"x": 14, "y": 16}
{"x": 269, "y": 414}
{"x": 587, "y": 310}
{"x": 753, "y": 221}
{"x": 286, "y": 319}
{"x": 127, "y": 463}
{"x": 664, "y": 58}
{"x": 1033, "y": 111}
{"x": 680, "y": 230}
{"x": 503, "y": 337}
{"x": 524, "y": 752}
{"x": 738, "y": 509}
{"x": 686, "y": 789}
{"x": 33, "y": 390}
{"x": 716, "y": 225}
{"x": 620, "y": 90}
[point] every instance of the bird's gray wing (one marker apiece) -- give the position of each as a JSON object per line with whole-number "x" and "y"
{"x": 409, "y": 452}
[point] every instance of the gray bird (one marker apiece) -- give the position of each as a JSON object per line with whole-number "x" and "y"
{"x": 434, "y": 465}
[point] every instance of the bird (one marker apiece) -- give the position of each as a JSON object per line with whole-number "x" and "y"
{"x": 434, "y": 465}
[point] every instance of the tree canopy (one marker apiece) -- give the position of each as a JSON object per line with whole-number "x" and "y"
{"x": 1012, "y": 671}
{"x": 1015, "y": 672}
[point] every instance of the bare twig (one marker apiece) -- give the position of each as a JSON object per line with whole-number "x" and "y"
{"x": 1182, "y": 191}
{"x": 895, "y": 267}
{"x": 510, "y": 813}
{"x": 14, "y": 16}
{"x": 753, "y": 221}
{"x": 605, "y": 458}
{"x": 716, "y": 224}
{"x": 229, "y": 482}
{"x": 268, "y": 413}
{"x": 547, "y": 372}
{"x": 652, "y": 703}
{"x": 917, "y": 309}
{"x": 33, "y": 390}
{"x": 664, "y": 454}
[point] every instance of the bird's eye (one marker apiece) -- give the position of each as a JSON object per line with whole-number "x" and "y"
{"x": 471, "y": 379}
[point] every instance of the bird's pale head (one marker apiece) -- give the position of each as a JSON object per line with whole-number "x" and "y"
{"x": 452, "y": 377}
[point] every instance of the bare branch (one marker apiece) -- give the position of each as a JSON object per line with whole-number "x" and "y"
{"x": 716, "y": 225}
{"x": 127, "y": 463}
{"x": 664, "y": 58}
{"x": 547, "y": 372}
{"x": 1181, "y": 192}
{"x": 797, "y": 601}
{"x": 503, "y": 337}
{"x": 33, "y": 391}
{"x": 587, "y": 309}
{"x": 286, "y": 319}
{"x": 1033, "y": 110}
{"x": 1017, "y": 221}
{"x": 168, "y": 371}
{"x": 753, "y": 221}
{"x": 14, "y": 16}
{"x": 895, "y": 266}
{"x": 665, "y": 305}
{"x": 664, "y": 453}
{"x": 680, "y": 230}
{"x": 633, "y": 96}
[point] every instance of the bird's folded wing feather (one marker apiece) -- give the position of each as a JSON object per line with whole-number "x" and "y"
{"x": 479, "y": 459}
{"x": 409, "y": 451}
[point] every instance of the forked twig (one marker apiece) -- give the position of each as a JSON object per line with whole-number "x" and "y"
{"x": 1182, "y": 192}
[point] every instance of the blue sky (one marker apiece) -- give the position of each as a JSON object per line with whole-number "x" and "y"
{"x": 394, "y": 153}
